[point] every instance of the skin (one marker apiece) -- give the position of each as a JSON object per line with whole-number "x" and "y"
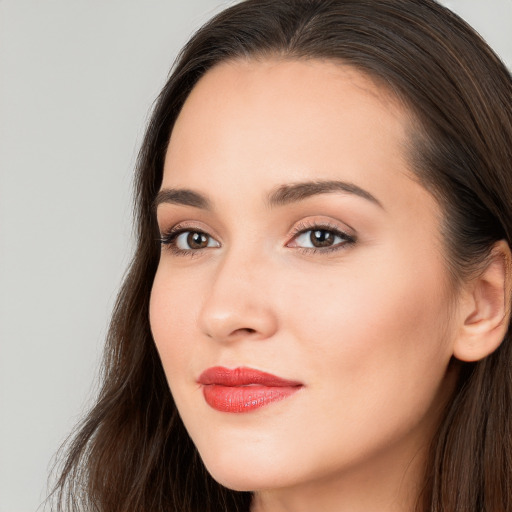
{"x": 367, "y": 325}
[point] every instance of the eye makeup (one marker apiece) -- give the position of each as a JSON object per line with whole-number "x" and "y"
{"x": 309, "y": 237}
{"x": 324, "y": 237}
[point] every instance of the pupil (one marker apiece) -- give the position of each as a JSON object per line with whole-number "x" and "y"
{"x": 197, "y": 240}
{"x": 322, "y": 238}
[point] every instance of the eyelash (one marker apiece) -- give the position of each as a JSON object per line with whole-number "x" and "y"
{"x": 168, "y": 239}
{"x": 304, "y": 227}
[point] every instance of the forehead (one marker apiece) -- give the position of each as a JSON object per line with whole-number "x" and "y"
{"x": 308, "y": 80}
{"x": 258, "y": 124}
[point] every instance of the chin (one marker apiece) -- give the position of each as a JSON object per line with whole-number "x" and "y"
{"x": 245, "y": 480}
{"x": 242, "y": 471}
{"x": 238, "y": 482}
{"x": 237, "y": 475}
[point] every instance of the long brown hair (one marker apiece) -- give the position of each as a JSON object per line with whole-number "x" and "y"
{"x": 132, "y": 453}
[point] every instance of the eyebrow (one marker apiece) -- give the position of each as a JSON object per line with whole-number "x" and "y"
{"x": 283, "y": 195}
{"x": 181, "y": 196}
{"x": 292, "y": 193}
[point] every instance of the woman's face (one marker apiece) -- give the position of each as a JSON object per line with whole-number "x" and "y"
{"x": 296, "y": 242}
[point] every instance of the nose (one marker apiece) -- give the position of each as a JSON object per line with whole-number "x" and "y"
{"x": 238, "y": 304}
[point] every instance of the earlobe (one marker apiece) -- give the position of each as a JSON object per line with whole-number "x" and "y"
{"x": 486, "y": 312}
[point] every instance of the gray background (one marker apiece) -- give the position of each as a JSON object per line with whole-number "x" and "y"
{"x": 77, "y": 80}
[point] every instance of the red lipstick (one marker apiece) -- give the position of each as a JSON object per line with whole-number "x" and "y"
{"x": 243, "y": 389}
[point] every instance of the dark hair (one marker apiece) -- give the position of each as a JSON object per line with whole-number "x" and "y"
{"x": 132, "y": 452}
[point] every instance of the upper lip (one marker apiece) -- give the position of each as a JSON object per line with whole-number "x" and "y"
{"x": 243, "y": 377}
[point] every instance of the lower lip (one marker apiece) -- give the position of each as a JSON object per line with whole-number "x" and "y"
{"x": 240, "y": 399}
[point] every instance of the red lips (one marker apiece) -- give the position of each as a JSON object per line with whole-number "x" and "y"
{"x": 243, "y": 389}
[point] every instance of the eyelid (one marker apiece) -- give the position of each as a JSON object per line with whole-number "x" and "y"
{"x": 321, "y": 223}
{"x": 187, "y": 225}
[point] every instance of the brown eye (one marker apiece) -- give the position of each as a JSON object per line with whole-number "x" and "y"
{"x": 319, "y": 237}
{"x": 322, "y": 238}
{"x": 186, "y": 241}
{"x": 197, "y": 240}
{"x": 193, "y": 241}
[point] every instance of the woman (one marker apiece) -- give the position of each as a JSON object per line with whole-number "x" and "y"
{"x": 322, "y": 276}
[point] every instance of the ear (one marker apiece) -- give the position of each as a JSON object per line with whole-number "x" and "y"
{"x": 486, "y": 308}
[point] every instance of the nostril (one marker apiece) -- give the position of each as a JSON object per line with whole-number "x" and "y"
{"x": 237, "y": 332}
{"x": 244, "y": 330}
{"x": 250, "y": 331}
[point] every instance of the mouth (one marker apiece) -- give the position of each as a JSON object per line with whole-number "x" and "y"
{"x": 242, "y": 390}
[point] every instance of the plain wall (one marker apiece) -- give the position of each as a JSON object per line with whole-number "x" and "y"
{"x": 77, "y": 80}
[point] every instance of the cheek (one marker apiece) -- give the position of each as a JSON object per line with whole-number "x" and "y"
{"x": 172, "y": 315}
{"x": 375, "y": 349}
{"x": 382, "y": 336}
